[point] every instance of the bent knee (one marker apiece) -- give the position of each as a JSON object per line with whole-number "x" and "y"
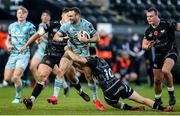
{"x": 166, "y": 72}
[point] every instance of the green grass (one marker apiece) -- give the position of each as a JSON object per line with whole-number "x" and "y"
{"x": 75, "y": 105}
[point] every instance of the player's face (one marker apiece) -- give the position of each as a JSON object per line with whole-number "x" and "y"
{"x": 21, "y": 16}
{"x": 45, "y": 18}
{"x": 73, "y": 17}
{"x": 65, "y": 17}
{"x": 151, "y": 17}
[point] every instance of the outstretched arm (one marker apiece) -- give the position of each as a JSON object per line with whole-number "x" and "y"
{"x": 75, "y": 57}
{"x": 31, "y": 39}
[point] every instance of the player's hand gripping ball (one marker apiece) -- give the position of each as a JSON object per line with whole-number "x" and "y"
{"x": 83, "y": 36}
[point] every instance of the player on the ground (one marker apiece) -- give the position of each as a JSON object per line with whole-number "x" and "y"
{"x": 19, "y": 33}
{"x": 113, "y": 88}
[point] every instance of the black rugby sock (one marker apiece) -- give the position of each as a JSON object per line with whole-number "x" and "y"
{"x": 37, "y": 90}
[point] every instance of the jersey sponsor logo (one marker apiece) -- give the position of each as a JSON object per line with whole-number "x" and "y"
{"x": 162, "y": 31}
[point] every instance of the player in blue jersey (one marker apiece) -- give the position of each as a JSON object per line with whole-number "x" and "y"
{"x": 42, "y": 42}
{"x": 19, "y": 33}
{"x": 113, "y": 88}
{"x": 78, "y": 45}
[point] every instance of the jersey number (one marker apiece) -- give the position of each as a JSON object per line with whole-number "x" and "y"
{"x": 108, "y": 73}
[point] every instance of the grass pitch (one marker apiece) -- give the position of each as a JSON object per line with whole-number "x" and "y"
{"x": 75, "y": 105}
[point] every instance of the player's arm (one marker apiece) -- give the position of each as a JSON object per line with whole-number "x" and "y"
{"x": 75, "y": 57}
{"x": 31, "y": 39}
{"x": 58, "y": 36}
{"x": 94, "y": 38}
{"x": 146, "y": 45}
{"x": 178, "y": 27}
{"x": 8, "y": 44}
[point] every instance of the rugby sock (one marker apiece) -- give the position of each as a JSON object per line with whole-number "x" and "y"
{"x": 158, "y": 106}
{"x": 18, "y": 90}
{"x": 77, "y": 86}
{"x": 78, "y": 74}
{"x": 171, "y": 91}
{"x": 93, "y": 89}
{"x": 65, "y": 85}
{"x": 37, "y": 90}
{"x": 57, "y": 86}
{"x": 158, "y": 98}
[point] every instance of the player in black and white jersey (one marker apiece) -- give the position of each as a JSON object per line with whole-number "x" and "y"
{"x": 161, "y": 35}
{"x": 113, "y": 88}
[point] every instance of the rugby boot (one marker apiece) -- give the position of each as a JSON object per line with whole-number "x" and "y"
{"x": 28, "y": 103}
{"x": 52, "y": 100}
{"x": 158, "y": 101}
{"x": 84, "y": 96}
{"x": 66, "y": 91}
{"x": 99, "y": 105}
{"x": 16, "y": 101}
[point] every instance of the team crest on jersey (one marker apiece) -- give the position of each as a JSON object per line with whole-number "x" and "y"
{"x": 150, "y": 35}
{"x": 156, "y": 33}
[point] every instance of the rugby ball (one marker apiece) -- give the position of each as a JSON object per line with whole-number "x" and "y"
{"x": 84, "y": 33}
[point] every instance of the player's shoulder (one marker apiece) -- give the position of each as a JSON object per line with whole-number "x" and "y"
{"x": 13, "y": 24}
{"x": 84, "y": 21}
{"x": 29, "y": 24}
{"x": 148, "y": 29}
{"x": 167, "y": 21}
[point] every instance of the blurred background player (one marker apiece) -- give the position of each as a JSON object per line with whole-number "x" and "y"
{"x": 42, "y": 42}
{"x": 73, "y": 29}
{"x": 19, "y": 33}
{"x": 161, "y": 35}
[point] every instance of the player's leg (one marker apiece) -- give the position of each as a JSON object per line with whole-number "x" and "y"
{"x": 146, "y": 101}
{"x": 33, "y": 66}
{"x": 93, "y": 87}
{"x": 18, "y": 72}
{"x": 9, "y": 69}
{"x": 58, "y": 83}
{"x": 70, "y": 74}
{"x": 43, "y": 73}
{"x": 64, "y": 64}
{"x": 21, "y": 64}
{"x": 116, "y": 103}
{"x": 8, "y": 73}
{"x": 166, "y": 69}
{"x": 158, "y": 78}
{"x": 66, "y": 87}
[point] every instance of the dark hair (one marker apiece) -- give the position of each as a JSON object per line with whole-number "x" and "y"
{"x": 76, "y": 10}
{"x": 153, "y": 9}
{"x": 92, "y": 50}
{"x": 47, "y": 12}
{"x": 65, "y": 10}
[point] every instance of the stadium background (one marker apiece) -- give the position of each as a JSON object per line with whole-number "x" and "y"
{"x": 122, "y": 16}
